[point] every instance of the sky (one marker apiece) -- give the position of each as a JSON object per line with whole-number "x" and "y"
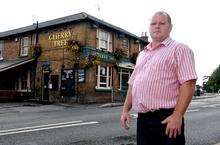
{"x": 195, "y": 22}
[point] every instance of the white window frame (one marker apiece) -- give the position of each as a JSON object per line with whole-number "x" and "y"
{"x": 126, "y": 49}
{"x": 24, "y": 46}
{"x": 108, "y": 76}
{"x": 1, "y": 49}
{"x": 120, "y": 76}
{"x": 18, "y": 86}
{"x": 107, "y": 48}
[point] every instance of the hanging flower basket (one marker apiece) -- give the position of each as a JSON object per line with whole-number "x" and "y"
{"x": 83, "y": 61}
{"x": 37, "y": 50}
{"x": 118, "y": 54}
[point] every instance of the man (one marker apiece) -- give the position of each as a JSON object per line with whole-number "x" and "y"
{"x": 160, "y": 87}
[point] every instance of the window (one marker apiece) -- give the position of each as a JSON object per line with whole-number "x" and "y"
{"x": 23, "y": 82}
{"x": 1, "y": 49}
{"x": 24, "y": 46}
{"x": 125, "y": 46}
{"x": 104, "y": 40}
{"x": 81, "y": 75}
{"x": 104, "y": 77}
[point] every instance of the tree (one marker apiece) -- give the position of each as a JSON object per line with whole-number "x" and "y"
{"x": 213, "y": 83}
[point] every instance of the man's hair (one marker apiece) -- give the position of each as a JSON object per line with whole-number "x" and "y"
{"x": 167, "y": 15}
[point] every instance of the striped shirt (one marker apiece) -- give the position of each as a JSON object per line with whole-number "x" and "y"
{"x": 158, "y": 74}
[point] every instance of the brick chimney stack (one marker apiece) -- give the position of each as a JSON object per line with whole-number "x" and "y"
{"x": 144, "y": 36}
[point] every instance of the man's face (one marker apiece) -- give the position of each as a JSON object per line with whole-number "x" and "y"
{"x": 160, "y": 27}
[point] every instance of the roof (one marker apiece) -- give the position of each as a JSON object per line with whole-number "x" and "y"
{"x": 8, "y": 64}
{"x": 63, "y": 20}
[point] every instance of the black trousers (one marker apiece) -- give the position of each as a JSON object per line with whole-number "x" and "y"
{"x": 150, "y": 130}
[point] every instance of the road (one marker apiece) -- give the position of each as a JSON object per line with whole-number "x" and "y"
{"x": 92, "y": 125}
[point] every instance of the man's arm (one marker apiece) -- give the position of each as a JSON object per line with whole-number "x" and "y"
{"x": 125, "y": 116}
{"x": 186, "y": 93}
{"x": 174, "y": 122}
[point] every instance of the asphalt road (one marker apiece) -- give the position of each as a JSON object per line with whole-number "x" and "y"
{"x": 91, "y": 125}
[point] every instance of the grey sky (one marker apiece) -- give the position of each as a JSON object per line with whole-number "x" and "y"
{"x": 196, "y": 22}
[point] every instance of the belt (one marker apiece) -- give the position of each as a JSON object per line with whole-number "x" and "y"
{"x": 157, "y": 111}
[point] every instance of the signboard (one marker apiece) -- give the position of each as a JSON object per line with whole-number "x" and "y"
{"x": 46, "y": 66}
{"x": 60, "y": 39}
{"x": 105, "y": 56}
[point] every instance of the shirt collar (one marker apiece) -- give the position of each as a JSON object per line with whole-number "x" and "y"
{"x": 165, "y": 43}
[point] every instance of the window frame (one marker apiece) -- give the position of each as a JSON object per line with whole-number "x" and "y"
{"x": 107, "y": 41}
{"x": 24, "y": 46}
{"x": 126, "y": 46}
{"x": 108, "y": 77}
{"x": 26, "y": 81}
{"x": 1, "y": 49}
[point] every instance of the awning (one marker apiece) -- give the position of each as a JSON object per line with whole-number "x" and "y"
{"x": 8, "y": 64}
{"x": 127, "y": 65}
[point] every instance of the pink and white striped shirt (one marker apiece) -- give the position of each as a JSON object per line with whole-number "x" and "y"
{"x": 158, "y": 74}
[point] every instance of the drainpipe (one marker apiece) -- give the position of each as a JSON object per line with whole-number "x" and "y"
{"x": 35, "y": 62}
{"x": 112, "y": 93}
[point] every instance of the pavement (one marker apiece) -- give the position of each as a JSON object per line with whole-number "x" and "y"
{"x": 14, "y": 107}
{"x": 21, "y": 107}
{"x": 27, "y": 107}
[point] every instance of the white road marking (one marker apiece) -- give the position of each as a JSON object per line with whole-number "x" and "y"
{"x": 211, "y": 106}
{"x": 45, "y": 127}
{"x": 217, "y": 143}
{"x": 40, "y": 126}
{"x": 192, "y": 110}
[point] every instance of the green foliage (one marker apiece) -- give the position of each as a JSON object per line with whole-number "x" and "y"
{"x": 118, "y": 54}
{"x": 75, "y": 48}
{"x": 213, "y": 83}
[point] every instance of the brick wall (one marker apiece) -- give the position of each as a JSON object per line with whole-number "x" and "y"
{"x": 58, "y": 56}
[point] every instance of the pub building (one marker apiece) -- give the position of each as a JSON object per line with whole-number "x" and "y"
{"x": 77, "y": 58}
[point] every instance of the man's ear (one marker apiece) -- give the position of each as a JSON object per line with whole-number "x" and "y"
{"x": 171, "y": 27}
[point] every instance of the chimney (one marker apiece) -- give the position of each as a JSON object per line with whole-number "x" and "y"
{"x": 144, "y": 36}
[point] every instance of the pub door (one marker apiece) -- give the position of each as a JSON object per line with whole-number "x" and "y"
{"x": 68, "y": 83}
{"x": 46, "y": 86}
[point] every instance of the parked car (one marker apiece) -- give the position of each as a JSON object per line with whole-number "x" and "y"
{"x": 197, "y": 92}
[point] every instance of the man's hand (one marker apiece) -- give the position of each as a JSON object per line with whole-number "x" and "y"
{"x": 174, "y": 123}
{"x": 125, "y": 120}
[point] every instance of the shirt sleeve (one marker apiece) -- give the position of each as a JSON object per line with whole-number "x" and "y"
{"x": 133, "y": 75}
{"x": 185, "y": 64}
